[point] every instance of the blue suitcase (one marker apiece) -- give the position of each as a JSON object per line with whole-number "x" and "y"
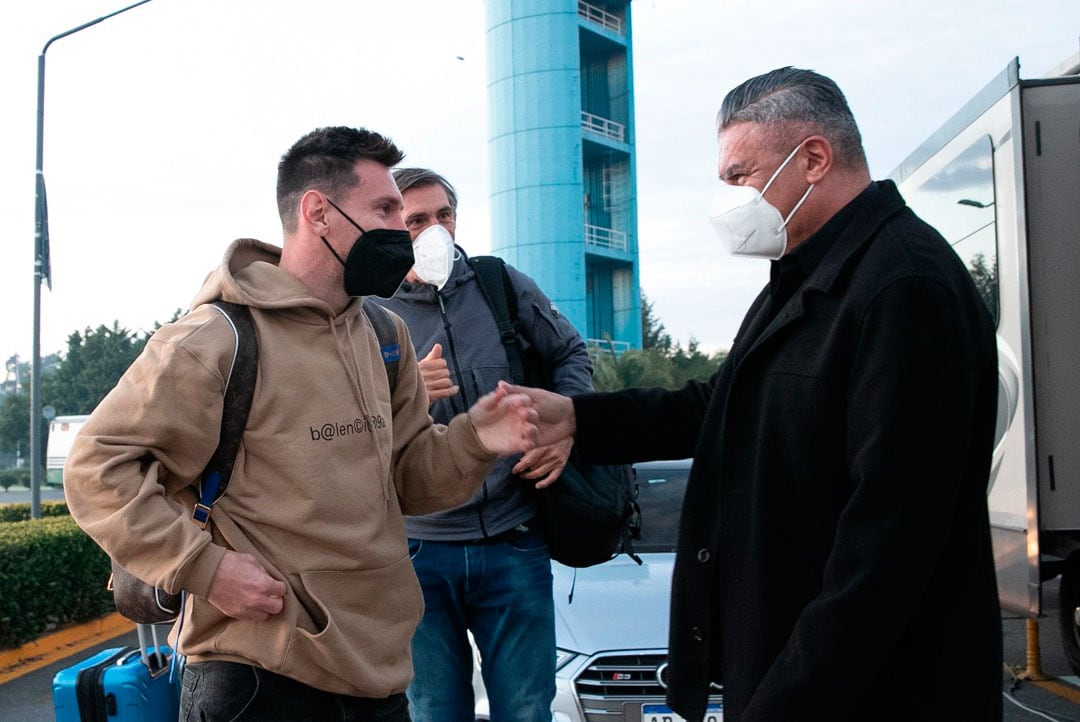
{"x": 122, "y": 684}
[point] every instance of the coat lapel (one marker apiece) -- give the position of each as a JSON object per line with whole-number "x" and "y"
{"x": 875, "y": 210}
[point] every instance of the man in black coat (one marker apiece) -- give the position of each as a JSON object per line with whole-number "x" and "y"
{"x": 834, "y": 558}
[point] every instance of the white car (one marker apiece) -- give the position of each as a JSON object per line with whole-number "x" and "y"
{"x": 612, "y": 634}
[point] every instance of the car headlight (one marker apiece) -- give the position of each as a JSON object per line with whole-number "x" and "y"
{"x": 563, "y": 657}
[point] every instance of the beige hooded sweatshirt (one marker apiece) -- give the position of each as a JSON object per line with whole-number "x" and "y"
{"x": 329, "y": 461}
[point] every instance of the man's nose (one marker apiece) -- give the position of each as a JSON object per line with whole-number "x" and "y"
{"x": 417, "y": 230}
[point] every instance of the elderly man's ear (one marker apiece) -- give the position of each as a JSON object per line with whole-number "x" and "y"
{"x": 818, "y": 158}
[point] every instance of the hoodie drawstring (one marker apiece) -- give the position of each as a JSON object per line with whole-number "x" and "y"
{"x": 358, "y": 392}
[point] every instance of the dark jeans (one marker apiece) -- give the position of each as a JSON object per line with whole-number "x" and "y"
{"x": 230, "y": 692}
{"x": 502, "y": 593}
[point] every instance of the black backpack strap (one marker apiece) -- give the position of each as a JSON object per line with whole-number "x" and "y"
{"x": 500, "y": 296}
{"x": 239, "y": 391}
{"x": 389, "y": 343}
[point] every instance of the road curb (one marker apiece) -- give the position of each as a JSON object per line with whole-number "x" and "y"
{"x": 58, "y": 645}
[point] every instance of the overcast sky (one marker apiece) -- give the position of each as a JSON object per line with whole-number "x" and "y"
{"x": 163, "y": 126}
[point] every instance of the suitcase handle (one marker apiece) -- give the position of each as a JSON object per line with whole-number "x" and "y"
{"x": 160, "y": 663}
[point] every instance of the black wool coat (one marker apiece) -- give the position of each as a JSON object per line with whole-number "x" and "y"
{"x": 834, "y": 558}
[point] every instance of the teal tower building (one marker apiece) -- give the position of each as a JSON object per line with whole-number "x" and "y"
{"x": 563, "y": 165}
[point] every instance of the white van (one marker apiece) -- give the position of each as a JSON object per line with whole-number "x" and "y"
{"x": 62, "y": 430}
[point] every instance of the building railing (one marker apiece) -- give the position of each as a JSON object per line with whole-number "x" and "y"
{"x": 603, "y": 126}
{"x": 605, "y": 237}
{"x": 605, "y": 347}
{"x": 600, "y": 17}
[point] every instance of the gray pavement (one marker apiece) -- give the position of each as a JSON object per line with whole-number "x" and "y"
{"x": 19, "y": 495}
{"x": 29, "y": 698}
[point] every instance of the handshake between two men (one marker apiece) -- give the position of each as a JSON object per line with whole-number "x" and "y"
{"x": 513, "y": 419}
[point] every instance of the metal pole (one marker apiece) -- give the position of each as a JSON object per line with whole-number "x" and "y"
{"x": 37, "y": 470}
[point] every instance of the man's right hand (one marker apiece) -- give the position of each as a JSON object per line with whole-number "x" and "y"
{"x": 436, "y": 375}
{"x": 242, "y": 589}
{"x": 557, "y": 422}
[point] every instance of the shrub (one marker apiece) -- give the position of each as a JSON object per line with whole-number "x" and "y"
{"x": 21, "y": 511}
{"x": 14, "y": 477}
{"x": 52, "y": 574}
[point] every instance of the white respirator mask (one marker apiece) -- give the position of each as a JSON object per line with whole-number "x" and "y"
{"x": 747, "y": 224}
{"x": 434, "y": 254}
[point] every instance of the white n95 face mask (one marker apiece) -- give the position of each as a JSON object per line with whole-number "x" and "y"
{"x": 433, "y": 251}
{"x": 747, "y": 224}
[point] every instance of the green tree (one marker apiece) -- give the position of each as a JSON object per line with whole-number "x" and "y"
{"x": 653, "y": 335}
{"x": 632, "y": 369}
{"x": 94, "y": 362}
{"x": 693, "y": 364}
{"x": 14, "y": 427}
{"x": 985, "y": 277}
{"x": 661, "y": 362}
{"x": 15, "y": 411}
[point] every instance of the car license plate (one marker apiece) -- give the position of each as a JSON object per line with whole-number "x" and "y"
{"x": 662, "y": 713}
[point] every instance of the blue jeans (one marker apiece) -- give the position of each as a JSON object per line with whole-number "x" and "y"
{"x": 232, "y": 692}
{"x": 502, "y": 592}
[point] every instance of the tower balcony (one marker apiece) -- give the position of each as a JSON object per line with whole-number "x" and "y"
{"x": 598, "y": 347}
{"x": 599, "y": 16}
{"x": 602, "y": 126}
{"x": 605, "y": 238}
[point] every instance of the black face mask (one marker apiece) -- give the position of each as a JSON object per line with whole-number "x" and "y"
{"x": 377, "y": 262}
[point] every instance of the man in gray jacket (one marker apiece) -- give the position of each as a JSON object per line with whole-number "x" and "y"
{"x": 484, "y": 565}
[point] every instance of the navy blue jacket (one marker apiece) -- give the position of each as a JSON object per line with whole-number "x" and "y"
{"x": 465, "y": 327}
{"x": 834, "y": 557}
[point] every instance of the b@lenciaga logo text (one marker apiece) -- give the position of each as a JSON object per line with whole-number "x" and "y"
{"x": 331, "y": 431}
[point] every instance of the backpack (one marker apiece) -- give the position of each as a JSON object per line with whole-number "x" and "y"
{"x": 590, "y": 513}
{"x": 145, "y": 604}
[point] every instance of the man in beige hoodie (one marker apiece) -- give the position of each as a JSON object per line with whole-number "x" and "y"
{"x": 301, "y": 600}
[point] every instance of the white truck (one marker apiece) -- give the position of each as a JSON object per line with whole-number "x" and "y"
{"x": 1001, "y": 181}
{"x": 62, "y": 430}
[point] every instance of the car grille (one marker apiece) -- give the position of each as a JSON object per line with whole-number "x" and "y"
{"x": 613, "y": 687}
{"x": 609, "y": 683}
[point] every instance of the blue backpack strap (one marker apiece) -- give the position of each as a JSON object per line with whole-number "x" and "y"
{"x": 389, "y": 343}
{"x": 239, "y": 391}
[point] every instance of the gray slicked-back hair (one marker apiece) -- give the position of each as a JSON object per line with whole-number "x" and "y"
{"x": 407, "y": 178}
{"x": 793, "y": 95}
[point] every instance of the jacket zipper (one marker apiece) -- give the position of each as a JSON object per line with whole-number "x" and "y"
{"x": 448, "y": 329}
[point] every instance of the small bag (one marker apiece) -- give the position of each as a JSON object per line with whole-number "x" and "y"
{"x": 140, "y": 602}
{"x": 590, "y": 513}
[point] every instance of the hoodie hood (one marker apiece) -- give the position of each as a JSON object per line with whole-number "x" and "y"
{"x": 249, "y": 274}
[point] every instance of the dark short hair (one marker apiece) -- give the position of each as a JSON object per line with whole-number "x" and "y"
{"x": 407, "y": 178}
{"x": 325, "y": 159}
{"x": 796, "y": 96}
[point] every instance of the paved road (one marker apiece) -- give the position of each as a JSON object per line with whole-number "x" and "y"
{"x": 16, "y": 495}
{"x": 29, "y": 698}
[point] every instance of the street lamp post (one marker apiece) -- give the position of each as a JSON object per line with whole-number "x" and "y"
{"x": 41, "y": 271}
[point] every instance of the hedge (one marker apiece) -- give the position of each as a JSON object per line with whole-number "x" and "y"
{"x": 51, "y": 575}
{"x": 21, "y": 512}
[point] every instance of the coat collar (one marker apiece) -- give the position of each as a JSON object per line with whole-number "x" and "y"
{"x": 883, "y": 201}
{"x": 879, "y": 205}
